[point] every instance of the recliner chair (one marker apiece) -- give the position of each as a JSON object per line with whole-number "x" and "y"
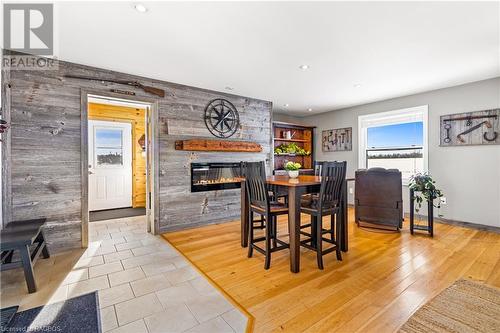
{"x": 378, "y": 197}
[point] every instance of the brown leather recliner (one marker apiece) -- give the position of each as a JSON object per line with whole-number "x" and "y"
{"x": 378, "y": 197}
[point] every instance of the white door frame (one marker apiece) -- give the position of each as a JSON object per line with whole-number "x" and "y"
{"x": 152, "y": 159}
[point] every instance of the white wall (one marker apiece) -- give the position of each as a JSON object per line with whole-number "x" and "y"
{"x": 468, "y": 176}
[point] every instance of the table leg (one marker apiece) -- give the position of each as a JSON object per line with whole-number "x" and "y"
{"x": 294, "y": 194}
{"x": 28, "y": 268}
{"x": 344, "y": 242}
{"x": 244, "y": 216}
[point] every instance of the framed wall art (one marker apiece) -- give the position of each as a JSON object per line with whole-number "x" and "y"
{"x": 339, "y": 139}
{"x": 470, "y": 128}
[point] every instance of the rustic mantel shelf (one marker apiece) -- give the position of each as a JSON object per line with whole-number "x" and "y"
{"x": 217, "y": 145}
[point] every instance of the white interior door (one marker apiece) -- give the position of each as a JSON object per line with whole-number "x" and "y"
{"x": 110, "y": 165}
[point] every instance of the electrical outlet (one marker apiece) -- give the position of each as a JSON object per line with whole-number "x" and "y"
{"x": 443, "y": 200}
{"x": 350, "y": 190}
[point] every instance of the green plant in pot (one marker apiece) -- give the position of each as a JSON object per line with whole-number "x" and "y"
{"x": 293, "y": 169}
{"x": 425, "y": 189}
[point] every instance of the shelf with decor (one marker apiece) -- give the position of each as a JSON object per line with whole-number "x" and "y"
{"x": 293, "y": 142}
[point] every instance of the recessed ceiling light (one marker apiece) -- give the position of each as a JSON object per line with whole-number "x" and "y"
{"x": 309, "y": 109}
{"x": 229, "y": 88}
{"x": 304, "y": 67}
{"x": 286, "y": 105}
{"x": 140, "y": 8}
{"x": 357, "y": 85}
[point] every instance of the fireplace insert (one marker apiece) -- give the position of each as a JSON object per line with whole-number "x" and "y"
{"x": 215, "y": 176}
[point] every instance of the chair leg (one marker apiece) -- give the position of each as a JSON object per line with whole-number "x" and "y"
{"x": 337, "y": 237}
{"x": 250, "y": 236}
{"x": 268, "y": 242}
{"x": 314, "y": 223}
{"x": 319, "y": 241}
{"x": 275, "y": 231}
{"x": 332, "y": 227}
{"x": 28, "y": 269}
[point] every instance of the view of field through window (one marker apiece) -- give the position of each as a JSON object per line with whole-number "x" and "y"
{"x": 398, "y": 146}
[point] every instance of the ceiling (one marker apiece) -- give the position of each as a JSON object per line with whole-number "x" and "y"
{"x": 358, "y": 52}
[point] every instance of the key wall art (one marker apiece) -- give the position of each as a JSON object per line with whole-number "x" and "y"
{"x": 471, "y": 128}
{"x": 339, "y": 139}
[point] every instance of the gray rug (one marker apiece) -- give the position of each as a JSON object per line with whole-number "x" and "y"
{"x": 76, "y": 315}
{"x": 110, "y": 214}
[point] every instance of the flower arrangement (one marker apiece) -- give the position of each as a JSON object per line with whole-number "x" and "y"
{"x": 292, "y": 166}
{"x": 292, "y": 169}
{"x": 424, "y": 188}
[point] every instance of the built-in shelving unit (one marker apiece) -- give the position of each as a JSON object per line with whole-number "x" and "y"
{"x": 301, "y": 136}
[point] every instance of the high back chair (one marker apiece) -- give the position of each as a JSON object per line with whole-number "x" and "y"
{"x": 328, "y": 201}
{"x": 260, "y": 203}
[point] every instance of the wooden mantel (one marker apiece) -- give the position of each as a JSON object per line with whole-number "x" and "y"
{"x": 217, "y": 145}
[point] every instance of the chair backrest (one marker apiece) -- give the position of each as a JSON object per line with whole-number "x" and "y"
{"x": 255, "y": 178}
{"x": 333, "y": 175}
{"x": 372, "y": 182}
{"x": 318, "y": 167}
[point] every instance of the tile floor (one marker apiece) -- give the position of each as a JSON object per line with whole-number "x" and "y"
{"x": 143, "y": 283}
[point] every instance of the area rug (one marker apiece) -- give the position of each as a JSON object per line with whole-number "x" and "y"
{"x": 75, "y": 315}
{"x": 465, "y": 306}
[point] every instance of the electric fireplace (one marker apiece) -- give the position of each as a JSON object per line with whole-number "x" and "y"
{"x": 215, "y": 176}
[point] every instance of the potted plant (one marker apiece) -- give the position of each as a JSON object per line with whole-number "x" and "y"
{"x": 293, "y": 169}
{"x": 424, "y": 188}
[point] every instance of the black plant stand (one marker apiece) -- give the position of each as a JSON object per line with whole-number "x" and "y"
{"x": 430, "y": 216}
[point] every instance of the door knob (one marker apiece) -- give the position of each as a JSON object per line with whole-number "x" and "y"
{"x": 90, "y": 172}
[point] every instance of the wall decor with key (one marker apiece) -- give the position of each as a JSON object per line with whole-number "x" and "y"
{"x": 339, "y": 139}
{"x": 471, "y": 128}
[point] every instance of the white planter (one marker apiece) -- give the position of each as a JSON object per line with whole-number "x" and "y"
{"x": 293, "y": 173}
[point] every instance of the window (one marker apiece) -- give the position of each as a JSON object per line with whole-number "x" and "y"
{"x": 108, "y": 147}
{"x": 395, "y": 140}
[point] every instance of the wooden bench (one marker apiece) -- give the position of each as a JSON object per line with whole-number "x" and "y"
{"x": 27, "y": 238}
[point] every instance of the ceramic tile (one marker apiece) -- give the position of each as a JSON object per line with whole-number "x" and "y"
{"x": 149, "y": 285}
{"x": 136, "y": 327}
{"x": 125, "y": 276}
{"x": 89, "y": 262}
{"x": 208, "y": 307}
{"x": 108, "y": 318}
{"x": 114, "y": 295}
{"x": 182, "y": 275}
{"x": 117, "y": 256}
{"x": 105, "y": 269}
{"x": 236, "y": 319}
{"x": 137, "y": 308}
{"x": 177, "y": 295}
{"x": 83, "y": 287}
{"x": 175, "y": 319}
{"x": 216, "y": 325}
{"x": 128, "y": 245}
{"x": 203, "y": 287}
{"x": 158, "y": 267}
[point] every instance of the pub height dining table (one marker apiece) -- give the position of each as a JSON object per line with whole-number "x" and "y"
{"x": 296, "y": 188}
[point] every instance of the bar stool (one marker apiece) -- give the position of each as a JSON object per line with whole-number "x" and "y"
{"x": 327, "y": 202}
{"x": 260, "y": 203}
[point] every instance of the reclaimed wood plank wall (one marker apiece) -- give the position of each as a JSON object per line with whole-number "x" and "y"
{"x": 44, "y": 159}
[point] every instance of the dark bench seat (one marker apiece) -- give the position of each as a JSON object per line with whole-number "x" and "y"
{"x": 27, "y": 238}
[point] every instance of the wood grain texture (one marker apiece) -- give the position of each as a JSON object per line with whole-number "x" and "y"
{"x": 136, "y": 117}
{"x": 44, "y": 167}
{"x": 383, "y": 279}
{"x": 217, "y": 145}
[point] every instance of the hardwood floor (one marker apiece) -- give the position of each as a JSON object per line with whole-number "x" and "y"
{"x": 382, "y": 280}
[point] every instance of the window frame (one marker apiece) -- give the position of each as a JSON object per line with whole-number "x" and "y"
{"x": 400, "y": 116}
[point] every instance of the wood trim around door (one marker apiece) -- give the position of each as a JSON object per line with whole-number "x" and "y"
{"x": 155, "y": 171}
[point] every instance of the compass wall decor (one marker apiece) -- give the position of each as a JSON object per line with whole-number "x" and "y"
{"x": 221, "y": 118}
{"x": 471, "y": 128}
